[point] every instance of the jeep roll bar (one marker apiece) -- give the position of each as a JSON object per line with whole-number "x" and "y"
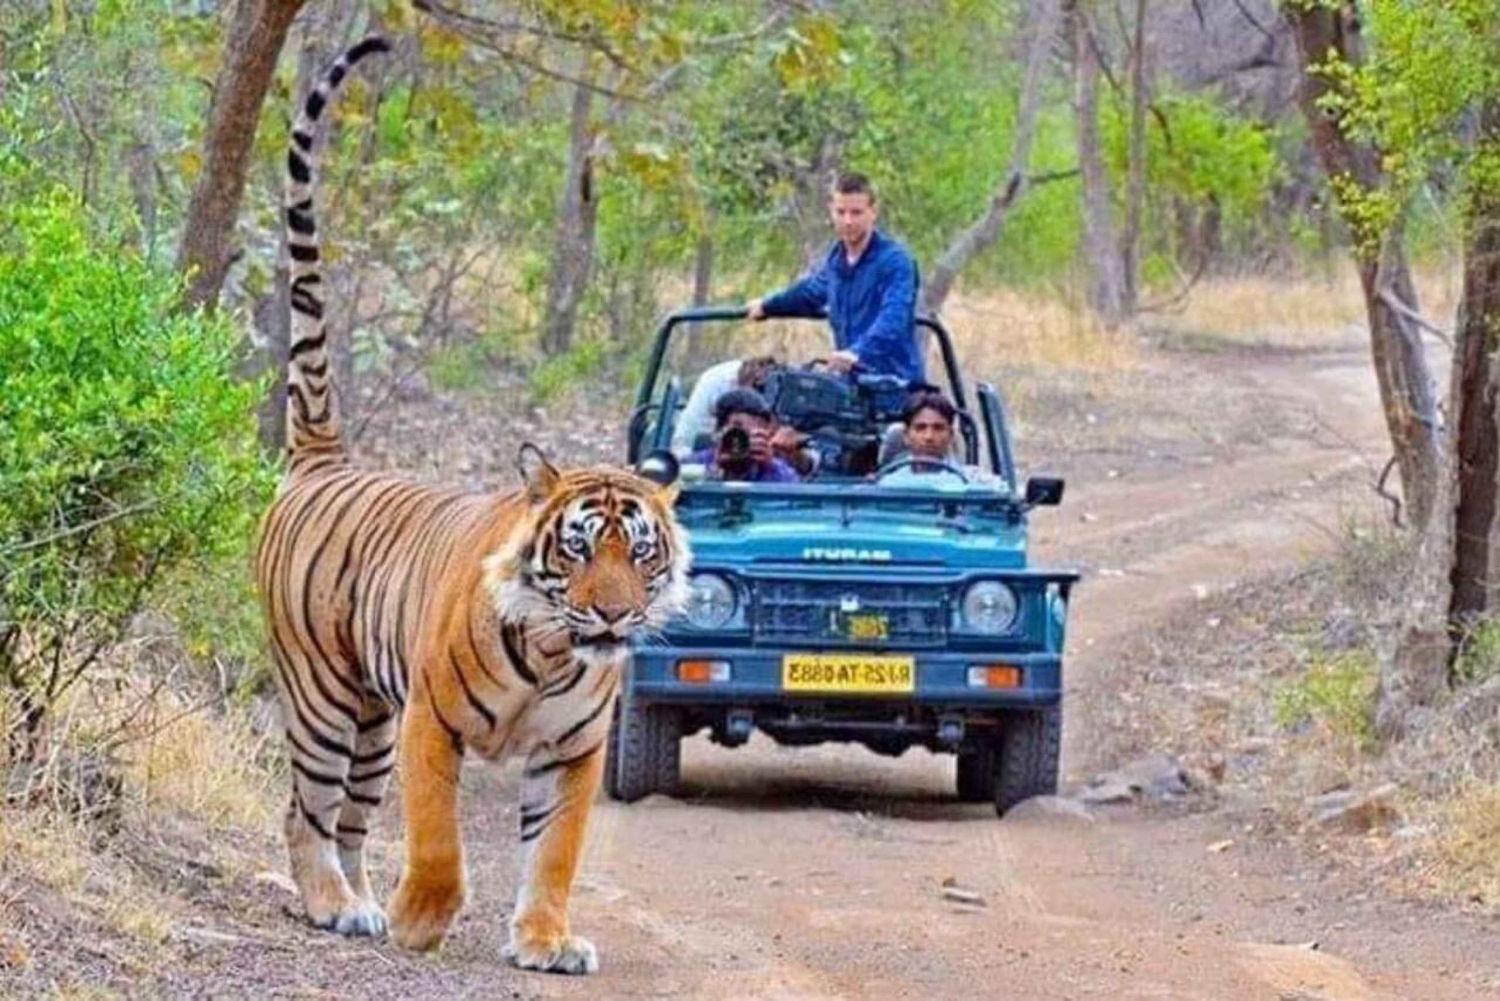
{"x": 719, "y": 314}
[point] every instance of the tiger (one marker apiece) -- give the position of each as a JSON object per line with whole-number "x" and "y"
{"x": 442, "y": 622}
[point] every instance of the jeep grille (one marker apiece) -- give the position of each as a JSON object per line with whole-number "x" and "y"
{"x": 914, "y": 615}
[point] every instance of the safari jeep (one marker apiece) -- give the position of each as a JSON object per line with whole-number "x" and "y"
{"x": 843, "y": 609}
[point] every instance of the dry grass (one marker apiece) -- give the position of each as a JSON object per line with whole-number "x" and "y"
{"x": 1013, "y": 329}
{"x": 202, "y": 764}
{"x": 1467, "y": 848}
{"x": 126, "y": 765}
{"x": 171, "y": 753}
{"x": 1310, "y": 313}
{"x": 51, "y": 849}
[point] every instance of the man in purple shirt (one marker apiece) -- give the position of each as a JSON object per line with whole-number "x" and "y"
{"x": 742, "y": 442}
{"x": 866, "y": 284}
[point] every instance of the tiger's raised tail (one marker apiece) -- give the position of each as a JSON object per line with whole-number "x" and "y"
{"x": 313, "y": 433}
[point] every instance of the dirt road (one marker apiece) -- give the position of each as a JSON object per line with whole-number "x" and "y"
{"x": 817, "y": 872}
{"x": 798, "y": 873}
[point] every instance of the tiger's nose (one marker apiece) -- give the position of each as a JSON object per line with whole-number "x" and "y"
{"x": 612, "y": 611}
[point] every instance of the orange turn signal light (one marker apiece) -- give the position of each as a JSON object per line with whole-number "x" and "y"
{"x": 701, "y": 672}
{"x": 994, "y": 676}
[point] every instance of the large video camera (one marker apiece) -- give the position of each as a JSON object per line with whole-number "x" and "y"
{"x": 844, "y": 416}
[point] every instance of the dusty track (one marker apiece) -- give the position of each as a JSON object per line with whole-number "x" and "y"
{"x": 816, "y": 873}
{"x": 797, "y": 873}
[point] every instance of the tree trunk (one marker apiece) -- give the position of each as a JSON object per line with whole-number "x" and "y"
{"x": 1406, "y": 383}
{"x": 1476, "y": 384}
{"x": 255, "y": 38}
{"x": 810, "y": 197}
{"x": 699, "y": 335}
{"x": 982, "y": 234}
{"x": 1135, "y": 185}
{"x": 1106, "y": 294}
{"x": 573, "y": 251}
{"x": 1416, "y": 668}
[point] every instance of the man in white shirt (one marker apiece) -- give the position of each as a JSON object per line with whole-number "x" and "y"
{"x": 697, "y": 417}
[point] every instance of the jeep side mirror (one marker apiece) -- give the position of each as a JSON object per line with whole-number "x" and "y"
{"x": 661, "y": 466}
{"x": 1044, "y": 491}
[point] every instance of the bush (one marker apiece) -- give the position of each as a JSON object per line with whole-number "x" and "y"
{"x": 1479, "y": 654}
{"x": 1336, "y": 695}
{"x": 127, "y": 449}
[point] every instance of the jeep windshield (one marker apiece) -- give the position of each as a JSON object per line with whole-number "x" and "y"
{"x": 851, "y": 423}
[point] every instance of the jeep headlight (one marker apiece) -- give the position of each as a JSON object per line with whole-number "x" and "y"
{"x": 989, "y": 607}
{"x": 711, "y": 601}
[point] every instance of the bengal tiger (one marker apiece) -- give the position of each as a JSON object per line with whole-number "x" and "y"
{"x": 442, "y": 621}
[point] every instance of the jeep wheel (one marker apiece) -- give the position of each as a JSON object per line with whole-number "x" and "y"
{"x": 646, "y": 746}
{"x": 1030, "y": 747}
{"x": 976, "y": 773}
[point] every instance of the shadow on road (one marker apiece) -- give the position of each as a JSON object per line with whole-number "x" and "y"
{"x": 916, "y": 786}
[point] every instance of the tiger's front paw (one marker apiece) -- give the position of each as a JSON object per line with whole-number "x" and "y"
{"x": 359, "y": 917}
{"x": 421, "y": 913}
{"x": 564, "y": 954}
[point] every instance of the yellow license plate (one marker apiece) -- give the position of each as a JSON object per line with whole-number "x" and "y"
{"x": 843, "y": 672}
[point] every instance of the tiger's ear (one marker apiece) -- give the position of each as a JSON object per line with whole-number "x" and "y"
{"x": 667, "y": 495}
{"x": 540, "y": 476}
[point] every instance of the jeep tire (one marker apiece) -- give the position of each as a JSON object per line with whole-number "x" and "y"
{"x": 644, "y": 753}
{"x": 976, "y": 772}
{"x": 1029, "y": 750}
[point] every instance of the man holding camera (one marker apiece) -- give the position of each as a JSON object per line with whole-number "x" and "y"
{"x": 743, "y": 426}
{"x": 866, "y": 284}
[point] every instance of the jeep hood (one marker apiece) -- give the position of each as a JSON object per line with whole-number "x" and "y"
{"x": 866, "y": 539}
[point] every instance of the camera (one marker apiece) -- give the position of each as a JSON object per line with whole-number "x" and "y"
{"x": 734, "y": 448}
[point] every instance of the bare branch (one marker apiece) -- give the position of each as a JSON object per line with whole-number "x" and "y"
{"x": 458, "y": 20}
{"x": 985, "y": 230}
{"x": 1385, "y": 494}
{"x": 87, "y": 526}
{"x": 1388, "y": 296}
{"x": 1255, "y": 21}
{"x": 1161, "y": 305}
{"x": 1052, "y": 175}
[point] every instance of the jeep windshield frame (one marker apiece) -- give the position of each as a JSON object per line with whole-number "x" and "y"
{"x": 991, "y": 416}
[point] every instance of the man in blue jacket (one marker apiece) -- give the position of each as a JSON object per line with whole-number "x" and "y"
{"x": 867, "y": 286}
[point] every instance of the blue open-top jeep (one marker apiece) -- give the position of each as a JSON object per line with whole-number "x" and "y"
{"x": 847, "y": 608}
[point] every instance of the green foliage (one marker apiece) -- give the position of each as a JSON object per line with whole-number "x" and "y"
{"x": 1479, "y": 654}
{"x": 1336, "y": 694}
{"x": 114, "y": 99}
{"x": 127, "y": 451}
{"x": 558, "y": 374}
{"x": 1205, "y": 156}
{"x": 1429, "y": 63}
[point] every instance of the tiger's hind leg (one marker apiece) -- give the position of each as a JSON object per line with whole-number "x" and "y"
{"x": 556, "y": 796}
{"x": 321, "y": 730}
{"x": 369, "y": 775}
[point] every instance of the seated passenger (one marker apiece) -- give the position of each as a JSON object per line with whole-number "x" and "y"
{"x": 742, "y": 442}
{"x": 697, "y": 416}
{"x": 927, "y": 437}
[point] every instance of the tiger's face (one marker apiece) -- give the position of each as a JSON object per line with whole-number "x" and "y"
{"x": 601, "y": 558}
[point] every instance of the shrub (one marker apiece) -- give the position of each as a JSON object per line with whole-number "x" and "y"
{"x": 1335, "y": 695}
{"x": 1479, "y": 654}
{"x": 127, "y": 449}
